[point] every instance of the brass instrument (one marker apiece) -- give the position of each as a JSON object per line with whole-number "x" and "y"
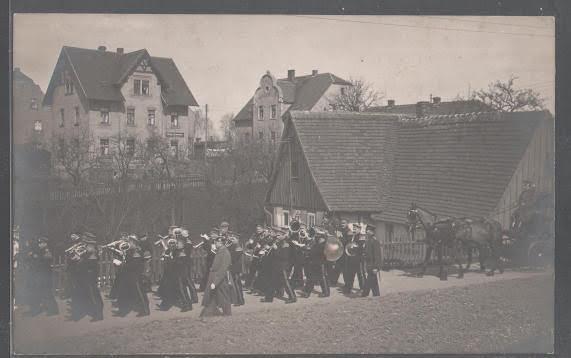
{"x": 76, "y": 251}
{"x": 294, "y": 226}
{"x": 333, "y": 248}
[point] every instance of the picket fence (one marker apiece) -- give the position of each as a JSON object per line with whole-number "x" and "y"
{"x": 394, "y": 255}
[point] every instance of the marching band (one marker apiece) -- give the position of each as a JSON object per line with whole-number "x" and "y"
{"x": 279, "y": 260}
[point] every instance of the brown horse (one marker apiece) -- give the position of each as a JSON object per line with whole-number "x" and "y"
{"x": 457, "y": 234}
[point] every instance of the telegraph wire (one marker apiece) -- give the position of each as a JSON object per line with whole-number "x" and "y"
{"x": 424, "y": 27}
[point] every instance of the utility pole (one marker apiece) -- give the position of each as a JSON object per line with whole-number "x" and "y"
{"x": 206, "y": 131}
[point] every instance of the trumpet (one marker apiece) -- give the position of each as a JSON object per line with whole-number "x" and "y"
{"x": 76, "y": 251}
{"x": 205, "y": 237}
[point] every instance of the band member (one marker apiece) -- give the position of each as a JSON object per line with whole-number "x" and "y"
{"x": 263, "y": 280}
{"x": 40, "y": 279}
{"x": 372, "y": 259}
{"x": 218, "y": 291}
{"x": 334, "y": 268}
{"x": 119, "y": 271}
{"x": 86, "y": 298}
{"x": 130, "y": 291}
{"x": 298, "y": 256}
{"x": 279, "y": 282}
{"x": 251, "y": 245}
{"x": 354, "y": 263}
{"x": 175, "y": 284}
{"x": 237, "y": 256}
{"x": 208, "y": 247}
{"x": 315, "y": 267}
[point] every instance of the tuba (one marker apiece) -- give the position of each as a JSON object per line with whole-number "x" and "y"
{"x": 333, "y": 248}
{"x": 294, "y": 226}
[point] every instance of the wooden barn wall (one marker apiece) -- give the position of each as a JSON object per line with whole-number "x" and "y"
{"x": 536, "y": 165}
{"x": 301, "y": 193}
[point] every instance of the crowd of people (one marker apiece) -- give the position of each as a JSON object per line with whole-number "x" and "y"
{"x": 278, "y": 262}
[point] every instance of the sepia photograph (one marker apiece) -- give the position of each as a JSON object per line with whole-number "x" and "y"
{"x": 282, "y": 184}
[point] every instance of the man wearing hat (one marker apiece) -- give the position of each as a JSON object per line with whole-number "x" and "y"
{"x": 372, "y": 260}
{"x": 354, "y": 264}
{"x": 218, "y": 291}
{"x": 237, "y": 256}
{"x": 188, "y": 257}
{"x": 297, "y": 258}
{"x": 40, "y": 276}
{"x": 208, "y": 247}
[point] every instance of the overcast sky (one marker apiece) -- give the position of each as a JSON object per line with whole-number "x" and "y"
{"x": 222, "y": 57}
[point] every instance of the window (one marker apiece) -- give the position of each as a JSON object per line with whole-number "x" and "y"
{"x": 130, "y": 146}
{"x": 145, "y": 87}
{"x": 131, "y": 116}
{"x": 260, "y": 135}
{"x": 104, "y": 146}
{"x": 261, "y": 112}
{"x": 61, "y": 118}
{"x": 274, "y": 112}
{"x": 137, "y": 87}
{"x": 389, "y": 232}
{"x": 38, "y": 126}
{"x": 174, "y": 120}
{"x": 273, "y": 136}
{"x": 310, "y": 219}
{"x": 151, "y": 117}
{"x": 34, "y": 104}
{"x": 104, "y": 116}
{"x": 68, "y": 86}
{"x": 286, "y": 218}
{"x": 76, "y": 117}
{"x": 342, "y": 91}
{"x": 174, "y": 148}
{"x": 294, "y": 169}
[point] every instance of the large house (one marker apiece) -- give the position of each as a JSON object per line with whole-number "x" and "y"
{"x": 370, "y": 167}
{"x": 106, "y": 93}
{"x": 30, "y": 121}
{"x": 261, "y": 117}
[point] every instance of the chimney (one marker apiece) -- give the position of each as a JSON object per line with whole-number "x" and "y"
{"x": 391, "y": 103}
{"x": 290, "y": 75}
{"x": 422, "y": 109}
{"x": 120, "y": 50}
{"x": 436, "y": 100}
{"x": 314, "y": 72}
{"x": 102, "y": 48}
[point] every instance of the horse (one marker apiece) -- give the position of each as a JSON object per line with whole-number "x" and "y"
{"x": 458, "y": 234}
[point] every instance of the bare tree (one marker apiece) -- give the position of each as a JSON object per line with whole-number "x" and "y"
{"x": 504, "y": 97}
{"x": 357, "y": 97}
{"x": 200, "y": 125}
{"x": 74, "y": 155}
{"x": 227, "y": 127}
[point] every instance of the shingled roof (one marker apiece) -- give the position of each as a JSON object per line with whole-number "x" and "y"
{"x": 302, "y": 93}
{"x": 100, "y": 75}
{"x": 454, "y": 165}
{"x": 349, "y": 156}
{"x": 457, "y": 164}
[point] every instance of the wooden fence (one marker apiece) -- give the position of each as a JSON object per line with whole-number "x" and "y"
{"x": 395, "y": 255}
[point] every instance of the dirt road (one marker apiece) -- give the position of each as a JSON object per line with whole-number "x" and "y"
{"x": 478, "y": 314}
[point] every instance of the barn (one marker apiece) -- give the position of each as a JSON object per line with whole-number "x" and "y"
{"x": 369, "y": 167}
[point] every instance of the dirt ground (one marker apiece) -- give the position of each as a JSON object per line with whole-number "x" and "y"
{"x": 512, "y": 312}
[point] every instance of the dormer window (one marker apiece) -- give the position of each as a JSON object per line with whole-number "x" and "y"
{"x": 137, "y": 87}
{"x": 145, "y": 88}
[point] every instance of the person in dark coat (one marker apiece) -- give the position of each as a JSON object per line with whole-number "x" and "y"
{"x": 354, "y": 264}
{"x": 372, "y": 259}
{"x": 237, "y": 256}
{"x": 279, "y": 282}
{"x": 298, "y": 257}
{"x": 40, "y": 276}
{"x": 335, "y": 268}
{"x": 315, "y": 268}
{"x": 207, "y": 247}
{"x": 189, "y": 263}
{"x": 218, "y": 291}
{"x": 254, "y": 263}
{"x": 176, "y": 285}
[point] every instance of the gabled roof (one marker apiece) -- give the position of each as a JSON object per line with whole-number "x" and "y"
{"x": 302, "y": 93}
{"x": 442, "y": 108}
{"x": 101, "y": 73}
{"x": 349, "y": 156}
{"x": 453, "y": 165}
{"x": 457, "y": 165}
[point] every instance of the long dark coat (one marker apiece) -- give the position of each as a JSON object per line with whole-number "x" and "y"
{"x": 219, "y": 275}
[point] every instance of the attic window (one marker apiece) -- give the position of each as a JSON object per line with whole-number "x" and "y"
{"x": 68, "y": 86}
{"x": 174, "y": 120}
{"x": 105, "y": 116}
{"x": 145, "y": 87}
{"x": 137, "y": 87}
